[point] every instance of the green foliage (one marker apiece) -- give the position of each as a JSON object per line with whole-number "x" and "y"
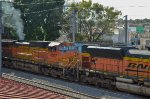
{"x": 79, "y": 37}
{"x": 9, "y": 33}
{"x": 143, "y": 22}
{"x": 94, "y": 19}
{"x": 41, "y": 18}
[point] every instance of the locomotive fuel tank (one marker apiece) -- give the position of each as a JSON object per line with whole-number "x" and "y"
{"x": 147, "y": 84}
{"x": 124, "y": 80}
{"x": 136, "y": 89}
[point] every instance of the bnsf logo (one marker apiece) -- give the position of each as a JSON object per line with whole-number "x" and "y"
{"x": 139, "y": 66}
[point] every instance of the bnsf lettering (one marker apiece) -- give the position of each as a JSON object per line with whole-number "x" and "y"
{"x": 143, "y": 66}
{"x": 132, "y": 65}
{"x": 139, "y": 66}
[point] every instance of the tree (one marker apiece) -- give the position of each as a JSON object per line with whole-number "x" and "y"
{"x": 94, "y": 19}
{"x": 9, "y": 33}
{"x": 41, "y": 18}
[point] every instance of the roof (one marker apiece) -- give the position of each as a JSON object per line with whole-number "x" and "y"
{"x": 54, "y": 44}
{"x": 141, "y": 52}
{"x": 10, "y": 89}
{"x": 23, "y": 43}
{"x": 42, "y": 44}
{"x": 109, "y": 48}
{"x": 91, "y": 44}
{"x": 4, "y": 43}
{"x": 8, "y": 41}
{"x": 138, "y": 53}
{"x": 105, "y": 52}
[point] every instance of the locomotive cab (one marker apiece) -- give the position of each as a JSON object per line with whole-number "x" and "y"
{"x": 86, "y": 57}
{"x": 53, "y": 46}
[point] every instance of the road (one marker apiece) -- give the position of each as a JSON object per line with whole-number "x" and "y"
{"x": 98, "y": 92}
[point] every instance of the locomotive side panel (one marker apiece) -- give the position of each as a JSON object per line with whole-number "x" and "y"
{"x": 108, "y": 65}
{"x": 39, "y": 51}
{"x": 106, "y": 59}
{"x": 22, "y": 50}
{"x": 137, "y": 67}
{"x": 39, "y": 55}
{"x": 53, "y": 57}
{"x": 7, "y": 49}
{"x": 138, "y": 63}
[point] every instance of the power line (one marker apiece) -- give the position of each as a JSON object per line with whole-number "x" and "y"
{"x": 40, "y": 3}
{"x": 41, "y": 11}
{"x": 37, "y": 3}
{"x": 38, "y": 11}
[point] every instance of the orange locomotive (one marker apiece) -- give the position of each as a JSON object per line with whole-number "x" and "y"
{"x": 128, "y": 70}
{"x": 109, "y": 67}
{"x": 133, "y": 63}
{"x": 50, "y": 58}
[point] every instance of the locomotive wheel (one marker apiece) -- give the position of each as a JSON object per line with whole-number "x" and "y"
{"x": 45, "y": 71}
{"x": 99, "y": 84}
{"x": 104, "y": 85}
{"x": 109, "y": 84}
{"x": 83, "y": 79}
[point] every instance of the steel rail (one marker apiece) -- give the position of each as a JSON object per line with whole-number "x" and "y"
{"x": 57, "y": 89}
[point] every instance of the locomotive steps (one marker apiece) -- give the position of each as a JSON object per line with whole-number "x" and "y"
{"x": 47, "y": 86}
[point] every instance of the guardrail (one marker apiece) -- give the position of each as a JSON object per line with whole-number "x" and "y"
{"x": 47, "y": 86}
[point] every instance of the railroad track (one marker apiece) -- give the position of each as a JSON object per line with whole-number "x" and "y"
{"x": 47, "y": 86}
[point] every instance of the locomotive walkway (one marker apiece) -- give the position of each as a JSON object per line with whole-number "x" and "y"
{"x": 46, "y": 86}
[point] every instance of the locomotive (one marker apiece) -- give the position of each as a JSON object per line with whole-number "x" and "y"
{"x": 121, "y": 68}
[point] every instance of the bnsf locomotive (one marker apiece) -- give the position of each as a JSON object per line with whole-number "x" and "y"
{"x": 121, "y": 68}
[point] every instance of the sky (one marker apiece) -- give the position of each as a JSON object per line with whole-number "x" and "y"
{"x": 135, "y": 9}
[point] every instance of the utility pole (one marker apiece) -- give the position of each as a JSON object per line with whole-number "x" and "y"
{"x": 73, "y": 24}
{"x": 1, "y": 31}
{"x": 126, "y": 30}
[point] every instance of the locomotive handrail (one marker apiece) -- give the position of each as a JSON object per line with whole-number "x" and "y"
{"x": 56, "y": 89}
{"x": 74, "y": 60}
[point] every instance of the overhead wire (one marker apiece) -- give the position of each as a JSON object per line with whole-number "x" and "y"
{"x": 37, "y": 3}
{"x": 40, "y": 11}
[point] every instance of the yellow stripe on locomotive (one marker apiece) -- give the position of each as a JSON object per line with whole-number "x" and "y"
{"x": 23, "y": 51}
